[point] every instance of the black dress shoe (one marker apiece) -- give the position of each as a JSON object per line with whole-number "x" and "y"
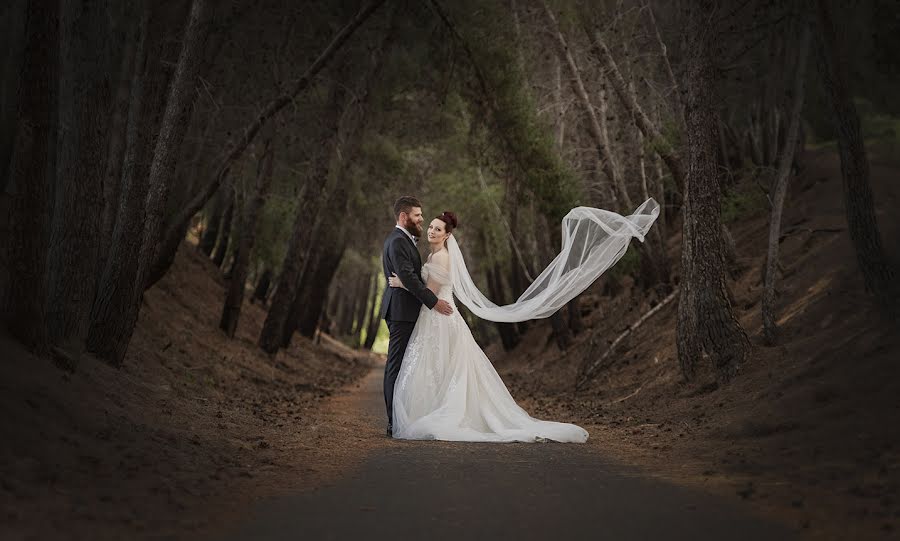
{"x": 390, "y": 431}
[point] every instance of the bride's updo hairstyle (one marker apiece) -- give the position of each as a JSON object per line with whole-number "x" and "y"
{"x": 450, "y": 219}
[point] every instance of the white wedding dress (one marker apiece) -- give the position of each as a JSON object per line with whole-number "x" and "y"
{"x": 447, "y": 388}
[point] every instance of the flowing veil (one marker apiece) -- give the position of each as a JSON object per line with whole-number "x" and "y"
{"x": 593, "y": 240}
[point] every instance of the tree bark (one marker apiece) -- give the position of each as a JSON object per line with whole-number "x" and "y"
{"x": 273, "y": 331}
{"x": 706, "y": 324}
{"x": 666, "y": 151}
{"x": 218, "y": 257}
{"x": 120, "y": 264}
{"x": 24, "y": 289}
{"x": 596, "y": 124}
{"x": 374, "y": 315}
{"x": 131, "y": 63}
{"x": 235, "y": 299}
{"x": 13, "y": 20}
{"x": 84, "y": 95}
{"x": 116, "y": 319}
{"x": 175, "y": 233}
{"x": 878, "y": 273}
{"x": 214, "y": 224}
{"x": 509, "y": 336}
{"x": 262, "y": 286}
{"x": 770, "y": 327}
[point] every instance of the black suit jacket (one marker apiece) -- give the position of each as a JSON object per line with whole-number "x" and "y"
{"x": 401, "y": 256}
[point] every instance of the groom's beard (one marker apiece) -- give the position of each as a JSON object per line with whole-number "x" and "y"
{"x": 414, "y": 229}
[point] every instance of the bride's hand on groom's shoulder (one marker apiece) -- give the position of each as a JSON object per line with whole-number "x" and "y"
{"x": 394, "y": 281}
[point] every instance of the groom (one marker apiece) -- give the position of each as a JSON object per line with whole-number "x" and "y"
{"x": 400, "y": 307}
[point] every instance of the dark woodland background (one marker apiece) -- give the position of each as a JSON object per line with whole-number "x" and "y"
{"x": 219, "y": 176}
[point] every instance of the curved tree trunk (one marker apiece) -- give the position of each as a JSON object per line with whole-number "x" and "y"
{"x": 225, "y": 234}
{"x": 374, "y": 315}
{"x": 782, "y": 176}
{"x": 273, "y": 332}
{"x": 262, "y": 286}
{"x": 116, "y": 319}
{"x": 877, "y": 271}
{"x": 13, "y": 21}
{"x": 596, "y": 123}
{"x": 214, "y": 225}
{"x": 84, "y": 97}
{"x": 235, "y": 298}
{"x": 706, "y": 324}
{"x": 23, "y": 290}
{"x": 175, "y": 233}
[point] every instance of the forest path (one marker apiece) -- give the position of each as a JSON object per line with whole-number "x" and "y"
{"x": 446, "y": 490}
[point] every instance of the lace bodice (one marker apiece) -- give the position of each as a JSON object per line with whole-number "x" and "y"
{"x": 436, "y": 273}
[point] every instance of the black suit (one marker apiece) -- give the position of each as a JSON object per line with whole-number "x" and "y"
{"x": 400, "y": 307}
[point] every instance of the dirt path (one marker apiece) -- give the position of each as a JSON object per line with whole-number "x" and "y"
{"x": 444, "y": 490}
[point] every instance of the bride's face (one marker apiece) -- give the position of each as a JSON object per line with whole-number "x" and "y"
{"x": 437, "y": 232}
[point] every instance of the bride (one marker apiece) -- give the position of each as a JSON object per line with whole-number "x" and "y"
{"x": 447, "y": 388}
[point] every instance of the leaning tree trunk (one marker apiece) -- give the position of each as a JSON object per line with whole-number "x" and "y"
{"x": 262, "y": 286}
{"x": 235, "y": 298}
{"x": 118, "y": 132}
{"x": 226, "y": 225}
{"x": 596, "y": 123}
{"x": 509, "y": 335}
{"x": 23, "y": 289}
{"x": 120, "y": 263}
{"x": 706, "y": 324}
{"x": 175, "y": 233}
{"x": 13, "y": 21}
{"x": 84, "y": 96}
{"x": 362, "y": 310}
{"x": 213, "y": 226}
{"x": 770, "y": 327}
{"x": 374, "y": 315}
{"x": 878, "y": 273}
{"x": 273, "y": 331}
{"x": 320, "y": 265}
{"x": 116, "y": 319}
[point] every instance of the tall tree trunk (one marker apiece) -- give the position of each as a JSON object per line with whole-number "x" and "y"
{"x": 665, "y": 149}
{"x": 273, "y": 331}
{"x": 596, "y": 123}
{"x": 120, "y": 264}
{"x": 325, "y": 266}
{"x": 175, "y": 233}
{"x": 118, "y": 133}
{"x": 213, "y": 225}
{"x": 13, "y": 20}
{"x": 706, "y": 324}
{"x": 362, "y": 308}
{"x": 878, "y": 273}
{"x": 509, "y": 336}
{"x": 118, "y": 321}
{"x": 235, "y": 298}
{"x": 218, "y": 257}
{"x": 262, "y": 286}
{"x": 374, "y": 315}
{"x": 24, "y": 289}
{"x": 770, "y": 327}
{"x": 84, "y": 95}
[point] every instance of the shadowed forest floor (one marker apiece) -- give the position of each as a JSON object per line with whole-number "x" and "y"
{"x": 808, "y": 430}
{"x": 190, "y": 429}
{"x": 196, "y": 427}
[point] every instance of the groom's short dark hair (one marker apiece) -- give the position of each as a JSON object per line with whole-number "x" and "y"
{"x": 405, "y": 204}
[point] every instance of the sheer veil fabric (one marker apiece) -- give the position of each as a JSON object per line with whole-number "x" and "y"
{"x": 447, "y": 388}
{"x": 593, "y": 240}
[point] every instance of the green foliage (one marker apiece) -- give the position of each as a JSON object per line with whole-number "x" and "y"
{"x": 744, "y": 201}
{"x": 627, "y": 266}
